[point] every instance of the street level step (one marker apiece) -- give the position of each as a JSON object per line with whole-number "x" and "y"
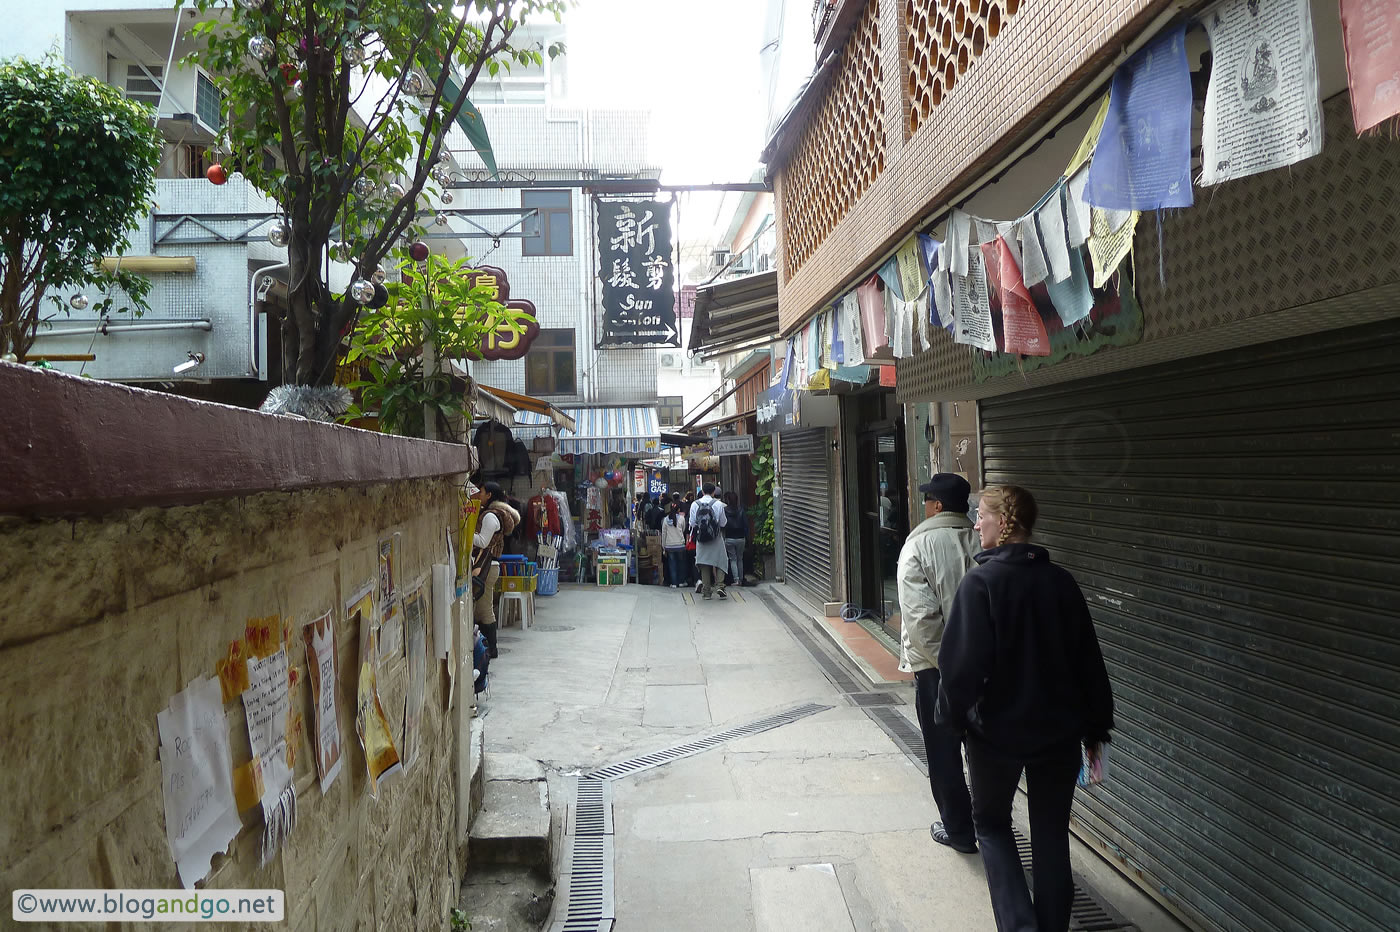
{"x": 513, "y": 824}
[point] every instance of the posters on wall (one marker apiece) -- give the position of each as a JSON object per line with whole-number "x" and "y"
{"x": 201, "y": 817}
{"x": 442, "y": 609}
{"x": 376, "y": 740}
{"x": 1142, "y": 160}
{"x": 322, "y": 663}
{"x": 415, "y": 639}
{"x": 267, "y": 704}
{"x": 391, "y": 616}
{"x": 1371, "y": 34}
{"x": 634, "y": 264}
{"x": 1262, "y": 107}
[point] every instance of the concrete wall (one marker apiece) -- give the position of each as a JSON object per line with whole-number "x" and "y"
{"x": 108, "y": 617}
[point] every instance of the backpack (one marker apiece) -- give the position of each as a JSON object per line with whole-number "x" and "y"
{"x": 481, "y": 661}
{"x": 706, "y": 525}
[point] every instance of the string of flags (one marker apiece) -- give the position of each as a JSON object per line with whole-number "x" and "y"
{"x": 1010, "y": 285}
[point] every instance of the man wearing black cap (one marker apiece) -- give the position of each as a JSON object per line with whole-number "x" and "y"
{"x": 935, "y": 556}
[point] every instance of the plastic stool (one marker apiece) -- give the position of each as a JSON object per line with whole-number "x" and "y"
{"x": 524, "y": 610}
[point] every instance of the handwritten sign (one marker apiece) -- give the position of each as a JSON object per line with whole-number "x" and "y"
{"x": 266, "y": 703}
{"x": 201, "y": 817}
{"x": 319, "y": 636}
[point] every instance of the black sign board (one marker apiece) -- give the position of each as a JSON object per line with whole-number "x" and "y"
{"x": 635, "y": 266}
{"x": 774, "y": 410}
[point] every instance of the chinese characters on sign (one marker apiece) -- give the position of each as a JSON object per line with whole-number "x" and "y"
{"x": 505, "y": 342}
{"x": 634, "y": 264}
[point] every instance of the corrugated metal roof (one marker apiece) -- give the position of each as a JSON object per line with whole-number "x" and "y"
{"x": 604, "y": 430}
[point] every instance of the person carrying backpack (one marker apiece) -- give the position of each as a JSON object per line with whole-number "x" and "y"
{"x": 707, "y": 520}
{"x": 673, "y": 545}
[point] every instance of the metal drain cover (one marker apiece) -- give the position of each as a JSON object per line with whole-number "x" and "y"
{"x": 553, "y": 627}
{"x": 874, "y": 699}
{"x": 506, "y": 639}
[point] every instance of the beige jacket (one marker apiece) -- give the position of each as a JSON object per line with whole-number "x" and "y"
{"x": 935, "y": 557}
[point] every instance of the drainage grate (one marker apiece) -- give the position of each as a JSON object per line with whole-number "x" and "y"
{"x": 833, "y": 669}
{"x": 1087, "y": 912}
{"x": 552, "y": 627}
{"x": 902, "y": 732}
{"x": 590, "y": 812}
{"x": 648, "y": 761}
{"x": 585, "y": 891}
{"x": 873, "y": 699}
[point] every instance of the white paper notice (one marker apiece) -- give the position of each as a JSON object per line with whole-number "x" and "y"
{"x": 415, "y": 634}
{"x": 1263, "y": 109}
{"x": 972, "y": 310}
{"x": 442, "y": 606}
{"x": 266, "y": 704}
{"x": 321, "y": 662}
{"x": 196, "y": 767}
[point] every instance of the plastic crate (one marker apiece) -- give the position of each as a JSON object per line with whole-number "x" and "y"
{"x": 548, "y": 582}
{"x": 516, "y": 583}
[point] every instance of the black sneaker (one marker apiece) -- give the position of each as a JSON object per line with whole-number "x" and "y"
{"x": 722, "y": 594}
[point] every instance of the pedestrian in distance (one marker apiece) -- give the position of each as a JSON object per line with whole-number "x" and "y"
{"x": 498, "y": 520}
{"x": 673, "y": 545}
{"x": 736, "y": 537}
{"x": 655, "y": 514}
{"x": 707, "y": 519}
{"x": 1023, "y": 677}
{"x": 935, "y": 557}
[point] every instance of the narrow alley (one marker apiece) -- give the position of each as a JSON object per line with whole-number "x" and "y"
{"x": 821, "y": 823}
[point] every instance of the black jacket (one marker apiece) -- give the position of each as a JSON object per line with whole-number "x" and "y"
{"x": 1020, "y": 664}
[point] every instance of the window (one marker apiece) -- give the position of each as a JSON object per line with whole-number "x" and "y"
{"x": 670, "y": 410}
{"x": 143, "y": 83}
{"x": 208, "y": 102}
{"x": 549, "y": 365}
{"x": 556, "y": 224}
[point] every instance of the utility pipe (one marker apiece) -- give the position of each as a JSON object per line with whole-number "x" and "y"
{"x": 253, "y": 314}
{"x": 106, "y": 330}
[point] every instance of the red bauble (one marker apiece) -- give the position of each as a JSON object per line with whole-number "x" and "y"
{"x": 419, "y": 251}
{"x": 216, "y": 173}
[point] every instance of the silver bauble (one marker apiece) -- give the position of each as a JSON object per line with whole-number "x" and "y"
{"x": 379, "y": 276}
{"x": 78, "y": 302}
{"x": 362, "y": 291}
{"x": 364, "y": 187}
{"x": 261, "y": 48}
{"x": 440, "y": 220}
{"x": 413, "y": 84}
{"x": 396, "y": 190}
{"x": 251, "y": 4}
{"x": 446, "y": 197}
{"x": 280, "y": 233}
{"x": 445, "y": 158}
{"x": 294, "y": 89}
{"x": 354, "y": 55}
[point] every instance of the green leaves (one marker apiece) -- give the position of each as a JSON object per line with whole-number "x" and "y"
{"x": 77, "y": 169}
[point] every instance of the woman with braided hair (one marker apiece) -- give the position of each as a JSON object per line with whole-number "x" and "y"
{"x": 1024, "y": 681}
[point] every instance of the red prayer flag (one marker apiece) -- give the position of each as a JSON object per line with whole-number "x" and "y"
{"x": 1371, "y": 34}
{"x": 1022, "y": 329}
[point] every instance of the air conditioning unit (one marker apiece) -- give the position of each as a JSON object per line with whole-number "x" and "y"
{"x": 191, "y": 109}
{"x": 671, "y": 361}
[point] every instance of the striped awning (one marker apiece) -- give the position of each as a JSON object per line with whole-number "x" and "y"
{"x": 604, "y": 430}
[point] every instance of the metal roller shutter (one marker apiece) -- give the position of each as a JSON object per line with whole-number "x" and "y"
{"x": 1234, "y": 522}
{"x": 807, "y": 506}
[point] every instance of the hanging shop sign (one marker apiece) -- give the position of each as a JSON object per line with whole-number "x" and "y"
{"x": 634, "y": 265}
{"x": 738, "y": 445}
{"x": 775, "y": 410}
{"x": 505, "y": 342}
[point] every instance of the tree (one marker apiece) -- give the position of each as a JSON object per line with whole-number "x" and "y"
{"x": 442, "y": 310}
{"x": 77, "y": 168}
{"x": 293, "y": 72}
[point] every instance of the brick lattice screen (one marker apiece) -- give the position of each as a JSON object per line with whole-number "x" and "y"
{"x": 943, "y": 39}
{"x": 843, "y": 150}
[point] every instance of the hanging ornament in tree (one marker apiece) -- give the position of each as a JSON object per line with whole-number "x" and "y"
{"x": 280, "y": 233}
{"x": 354, "y": 54}
{"x": 446, "y": 197}
{"x": 381, "y": 297}
{"x": 396, "y": 191}
{"x": 419, "y": 251}
{"x": 251, "y": 4}
{"x": 216, "y": 173}
{"x": 288, "y": 72}
{"x": 261, "y": 48}
{"x": 295, "y": 89}
{"x": 445, "y": 158}
{"x": 379, "y": 276}
{"x": 362, "y": 291}
{"x": 364, "y": 187}
{"x": 78, "y": 302}
{"x": 413, "y": 84}
{"x": 440, "y": 220}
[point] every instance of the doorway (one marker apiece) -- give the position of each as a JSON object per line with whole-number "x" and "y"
{"x": 883, "y": 511}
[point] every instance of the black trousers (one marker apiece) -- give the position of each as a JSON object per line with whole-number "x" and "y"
{"x": 1050, "y": 781}
{"x": 945, "y": 764}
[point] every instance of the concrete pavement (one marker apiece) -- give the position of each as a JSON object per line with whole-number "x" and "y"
{"x": 821, "y": 823}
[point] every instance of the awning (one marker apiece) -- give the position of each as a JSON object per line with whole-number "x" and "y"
{"x": 524, "y": 403}
{"x": 734, "y": 314}
{"x": 487, "y": 405}
{"x": 604, "y": 430}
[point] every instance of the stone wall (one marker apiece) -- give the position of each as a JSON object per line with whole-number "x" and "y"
{"x": 107, "y": 617}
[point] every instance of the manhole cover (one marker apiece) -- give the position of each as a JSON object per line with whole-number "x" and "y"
{"x": 553, "y": 627}
{"x": 506, "y": 639}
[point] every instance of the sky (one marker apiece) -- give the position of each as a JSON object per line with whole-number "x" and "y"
{"x": 697, "y": 66}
